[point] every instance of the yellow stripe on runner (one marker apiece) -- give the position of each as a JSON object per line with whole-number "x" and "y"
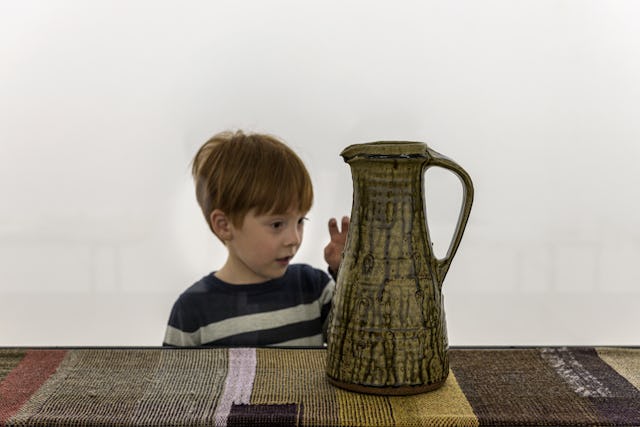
{"x": 446, "y": 406}
{"x": 625, "y": 361}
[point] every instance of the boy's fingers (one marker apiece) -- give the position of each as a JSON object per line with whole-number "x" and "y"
{"x": 345, "y": 223}
{"x": 333, "y": 226}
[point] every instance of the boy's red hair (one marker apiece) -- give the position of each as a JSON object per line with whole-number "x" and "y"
{"x": 236, "y": 172}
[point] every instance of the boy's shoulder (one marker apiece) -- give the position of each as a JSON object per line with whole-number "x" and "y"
{"x": 201, "y": 286}
{"x": 307, "y": 280}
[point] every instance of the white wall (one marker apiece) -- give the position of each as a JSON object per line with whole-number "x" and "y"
{"x": 103, "y": 104}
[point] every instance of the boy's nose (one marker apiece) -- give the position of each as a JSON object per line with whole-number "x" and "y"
{"x": 294, "y": 237}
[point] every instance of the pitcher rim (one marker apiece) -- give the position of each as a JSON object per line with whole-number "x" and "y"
{"x": 385, "y": 150}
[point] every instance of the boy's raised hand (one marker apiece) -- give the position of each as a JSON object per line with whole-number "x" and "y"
{"x": 333, "y": 250}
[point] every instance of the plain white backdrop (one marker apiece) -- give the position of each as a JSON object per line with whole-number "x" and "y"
{"x": 103, "y": 104}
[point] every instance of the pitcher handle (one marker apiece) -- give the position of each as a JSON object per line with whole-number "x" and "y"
{"x": 437, "y": 159}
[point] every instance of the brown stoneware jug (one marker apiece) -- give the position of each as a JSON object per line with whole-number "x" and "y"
{"x": 387, "y": 332}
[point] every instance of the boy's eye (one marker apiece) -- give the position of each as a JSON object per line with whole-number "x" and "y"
{"x": 277, "y": 224}
{"x": 302, "y": 220}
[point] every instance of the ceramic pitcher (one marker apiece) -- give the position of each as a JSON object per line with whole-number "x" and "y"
{"x": 387, "y": 332}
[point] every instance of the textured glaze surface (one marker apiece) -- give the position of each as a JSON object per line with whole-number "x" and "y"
{"x": 387, "y": 332}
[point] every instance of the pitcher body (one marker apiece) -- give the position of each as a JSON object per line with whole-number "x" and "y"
{"x": 387, "y": 332}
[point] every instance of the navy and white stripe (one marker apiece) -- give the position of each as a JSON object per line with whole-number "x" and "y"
{"x": 288, "y": 311}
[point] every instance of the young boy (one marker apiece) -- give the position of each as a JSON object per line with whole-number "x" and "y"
{"x": 254, "y": 192}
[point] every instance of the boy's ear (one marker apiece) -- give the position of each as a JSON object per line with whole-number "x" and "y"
{"x": 221, "y": 225}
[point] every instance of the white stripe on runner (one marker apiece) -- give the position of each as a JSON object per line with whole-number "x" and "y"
{"x": 574, "y": 373}
{"x": 239, "y": 383}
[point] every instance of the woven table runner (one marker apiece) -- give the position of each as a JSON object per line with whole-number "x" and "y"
{"x": 245, "y": 386}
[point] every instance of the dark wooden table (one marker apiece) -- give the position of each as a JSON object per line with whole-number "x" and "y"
{"x": 270, "y": 386}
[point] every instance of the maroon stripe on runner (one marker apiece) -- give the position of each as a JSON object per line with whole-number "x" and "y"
{"x": 25, "y": 379}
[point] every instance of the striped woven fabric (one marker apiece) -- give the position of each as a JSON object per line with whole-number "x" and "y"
{"x": 237, "y": 387}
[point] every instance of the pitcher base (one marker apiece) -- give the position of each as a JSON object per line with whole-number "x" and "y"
{"x": 387, "y": 391}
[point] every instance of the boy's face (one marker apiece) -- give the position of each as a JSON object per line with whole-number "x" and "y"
{"x": 262, "y": 248}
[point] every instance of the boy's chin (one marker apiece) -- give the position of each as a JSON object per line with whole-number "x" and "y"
{"x": 280, "y": 272}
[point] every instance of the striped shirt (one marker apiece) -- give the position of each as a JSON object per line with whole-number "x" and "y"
{"x": 287, "y": 311}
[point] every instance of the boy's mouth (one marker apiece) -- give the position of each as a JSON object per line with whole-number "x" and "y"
{"x": 284, "y": 260}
